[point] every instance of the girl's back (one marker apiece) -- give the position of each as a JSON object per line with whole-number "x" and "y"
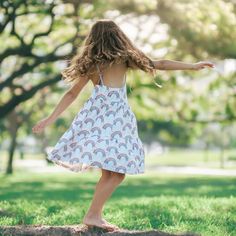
{"x": 113, "y": 76}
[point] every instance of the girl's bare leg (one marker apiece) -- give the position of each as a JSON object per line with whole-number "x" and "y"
{"x": 104, "y": 188}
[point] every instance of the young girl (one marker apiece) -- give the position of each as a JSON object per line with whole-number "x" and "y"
{"x": 104, "y": 132}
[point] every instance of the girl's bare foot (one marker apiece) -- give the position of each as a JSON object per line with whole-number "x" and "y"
{"x": 114, "y": 226}
{"x": 99, "y": 222}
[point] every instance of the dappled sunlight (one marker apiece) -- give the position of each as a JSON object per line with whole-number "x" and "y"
{"x": 82, "y": 187}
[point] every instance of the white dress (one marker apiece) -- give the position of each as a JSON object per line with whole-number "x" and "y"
{"x": 103, "y": 135}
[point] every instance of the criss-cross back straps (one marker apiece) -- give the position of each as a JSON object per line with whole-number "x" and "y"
{"x": 101, "y": 76}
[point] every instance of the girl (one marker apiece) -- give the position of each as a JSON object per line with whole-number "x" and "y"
{"x": 104, "y": 132}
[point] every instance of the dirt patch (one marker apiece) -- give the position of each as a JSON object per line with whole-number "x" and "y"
{"x": 77, "y": 230}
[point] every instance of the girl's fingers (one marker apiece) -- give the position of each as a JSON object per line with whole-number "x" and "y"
{"x": 38, "y": 128}
{"x": 206, "y": 64}
{"x": 209, "y": 64}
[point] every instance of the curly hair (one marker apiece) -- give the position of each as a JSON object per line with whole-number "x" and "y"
{"x": 106, "y": 43}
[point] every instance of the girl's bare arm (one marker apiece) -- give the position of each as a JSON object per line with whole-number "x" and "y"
{"x": 178, "y": 65}
{"x": 65, "y": 101}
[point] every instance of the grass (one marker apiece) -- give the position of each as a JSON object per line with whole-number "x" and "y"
{"x": 173, "y": 203}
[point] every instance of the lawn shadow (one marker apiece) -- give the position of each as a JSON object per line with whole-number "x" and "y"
{"x": 79, "y": 188}
{"x": 179, "y": 186}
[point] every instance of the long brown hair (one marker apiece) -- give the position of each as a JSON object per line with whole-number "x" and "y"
{"x": 106, "y": 43}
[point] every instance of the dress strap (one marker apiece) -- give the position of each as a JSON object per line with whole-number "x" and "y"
{"x": 124, "y": 79}
{"x": 100, "y": 74}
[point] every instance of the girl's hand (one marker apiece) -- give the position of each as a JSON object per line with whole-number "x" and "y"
{"x": 202, "y": 64}
{"x": 40, "y": 126}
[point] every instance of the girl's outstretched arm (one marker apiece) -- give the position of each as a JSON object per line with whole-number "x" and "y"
{"x": 65, "y": 101}
{"x": 178, "y": 65}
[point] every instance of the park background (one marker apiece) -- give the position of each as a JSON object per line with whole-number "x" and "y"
{"x": 187, "y": 126}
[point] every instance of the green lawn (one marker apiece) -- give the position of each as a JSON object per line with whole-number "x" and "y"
{"x": 171, "y": 203}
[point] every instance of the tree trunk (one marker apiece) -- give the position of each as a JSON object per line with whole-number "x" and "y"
{"x": 222, "y": 157}
{"x": 13, "y": 128}
{"x": 9, "y": 168}
{"x": 206, "y": 154}
{"x": 222, "y": 148}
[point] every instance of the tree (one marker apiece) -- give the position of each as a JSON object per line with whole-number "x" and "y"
{"x": 32, "y": 41}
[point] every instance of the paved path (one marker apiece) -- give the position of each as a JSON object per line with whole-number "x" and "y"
{"x": 192, "y": 170}
{"x": 39, "y": 166}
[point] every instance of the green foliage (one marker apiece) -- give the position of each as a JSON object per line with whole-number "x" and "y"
{"x": 208, "y": 33}
{"x": 166, "y": 132}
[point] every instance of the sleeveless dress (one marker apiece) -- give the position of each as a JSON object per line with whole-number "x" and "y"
{"x": 103, "y": 135}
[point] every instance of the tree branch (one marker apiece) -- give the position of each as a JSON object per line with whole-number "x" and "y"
{"x": 226, "y": 118}
{"x": 26, "y": 68}
{"x": 16, "y": 100}
{"x": 23, "y": 70}
{"x": 50, "y": 27}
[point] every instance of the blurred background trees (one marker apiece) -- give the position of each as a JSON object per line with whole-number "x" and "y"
{"x": 192, "y": 109}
